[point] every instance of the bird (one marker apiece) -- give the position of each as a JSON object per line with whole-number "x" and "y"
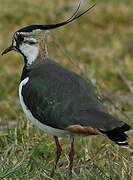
{"x": 56, "y": 99}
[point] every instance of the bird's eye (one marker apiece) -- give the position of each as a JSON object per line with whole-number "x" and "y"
{"x": 20, "y": 38}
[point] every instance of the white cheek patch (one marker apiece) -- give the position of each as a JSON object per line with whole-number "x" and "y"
{"x": 31, "y": 40}
{"x": 30, "y": 52}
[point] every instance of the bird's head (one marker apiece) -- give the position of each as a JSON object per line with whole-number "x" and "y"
{"x": 30, "y": 40}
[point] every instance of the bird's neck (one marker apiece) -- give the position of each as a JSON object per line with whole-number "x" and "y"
{"x": 25, "y": 73}
{"x": 43, "y": 53}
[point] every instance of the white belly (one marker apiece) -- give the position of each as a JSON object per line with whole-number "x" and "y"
{"x": 49, "y": 130}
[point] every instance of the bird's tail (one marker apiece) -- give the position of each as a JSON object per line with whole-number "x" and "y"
{"x": 118, "y": 135}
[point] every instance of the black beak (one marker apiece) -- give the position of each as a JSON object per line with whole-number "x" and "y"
{"x": 10, "y": 48}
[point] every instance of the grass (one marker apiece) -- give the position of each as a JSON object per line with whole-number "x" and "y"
{"x": 100, "y": 44}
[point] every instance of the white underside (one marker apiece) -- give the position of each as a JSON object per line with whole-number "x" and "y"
{"x": 49, "y": 130}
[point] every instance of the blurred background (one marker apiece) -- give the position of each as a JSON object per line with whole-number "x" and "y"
{"x": 99, "y": 47}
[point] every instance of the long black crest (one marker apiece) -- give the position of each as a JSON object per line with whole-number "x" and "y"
{"x": 53, "y": 26}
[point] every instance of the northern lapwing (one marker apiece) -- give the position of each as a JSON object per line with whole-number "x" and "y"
{"x": 57, "y": 100}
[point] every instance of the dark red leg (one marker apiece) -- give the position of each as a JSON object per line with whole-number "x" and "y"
{"x": 58, "y": 153}
{"x": 71, "y": 157}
